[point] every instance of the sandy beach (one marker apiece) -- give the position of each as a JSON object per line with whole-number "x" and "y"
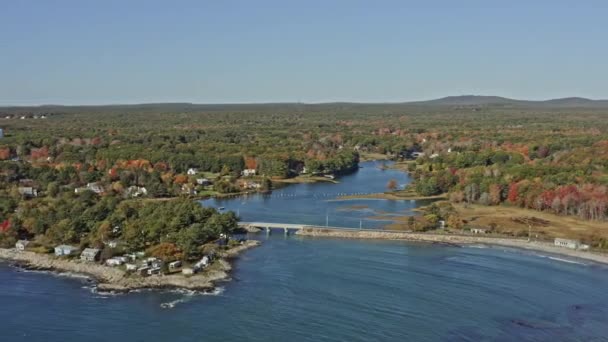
{"x": 544, "y": 247}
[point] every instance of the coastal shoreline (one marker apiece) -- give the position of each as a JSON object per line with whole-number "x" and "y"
{"x": 110, "y": 279}
{"x": 460, "y": 240}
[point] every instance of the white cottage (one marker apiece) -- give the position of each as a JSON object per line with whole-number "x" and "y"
{"x": 567, "y": 243}
{"x": 21, "y": 245}
{"x": 65, "y": 250}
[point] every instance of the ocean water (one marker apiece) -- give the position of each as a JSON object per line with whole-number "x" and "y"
{"x": 305, "y": 289}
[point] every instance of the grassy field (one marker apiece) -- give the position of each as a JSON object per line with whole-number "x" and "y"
{"x": 508, "y": 219}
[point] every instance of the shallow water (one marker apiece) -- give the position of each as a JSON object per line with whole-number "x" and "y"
{"x": 317, "y": 203}
{"x": 307, "y": 289}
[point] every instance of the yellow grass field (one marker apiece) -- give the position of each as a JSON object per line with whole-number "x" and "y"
{"x": 554, "y": 226}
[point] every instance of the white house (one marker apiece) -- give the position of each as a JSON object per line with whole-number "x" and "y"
{"x": 21, "y": 245}
{"x": 65, "y": 250}
{"x": 204, "y": 262}
{"x": 114, "y": 262}
{"x": 89, "y": 254}
{"x": 192, "y": 171}
{"x": 175, "y": 264}
{"x": 154, "y": 270}
{"x": 478, "y": 231}
{"x": 131, "y": 267}
{"x": 568, "y": 243}
{"x": 248, "y": 172}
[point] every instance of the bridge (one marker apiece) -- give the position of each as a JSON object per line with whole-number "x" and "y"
{"x": 288, "y": 228}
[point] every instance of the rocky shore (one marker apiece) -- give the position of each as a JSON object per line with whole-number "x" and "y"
{"x": 539, "y": 246}
{"x": 116, "y": 280}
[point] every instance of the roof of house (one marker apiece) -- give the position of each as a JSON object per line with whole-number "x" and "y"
{"x": 66, "y": 247}
{"x": 90, "y": 251}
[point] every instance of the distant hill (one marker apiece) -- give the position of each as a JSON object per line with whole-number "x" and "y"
{"x": 478, "y": 100}
{"x": 449, "y": 101}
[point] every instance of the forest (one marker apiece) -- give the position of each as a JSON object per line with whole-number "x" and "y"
{"x": 69, "y": 174}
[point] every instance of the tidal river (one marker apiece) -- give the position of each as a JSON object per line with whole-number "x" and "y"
{"x": 303, "y": 289}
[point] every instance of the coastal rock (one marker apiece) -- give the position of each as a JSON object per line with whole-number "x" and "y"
{"x": 116, "y": 280}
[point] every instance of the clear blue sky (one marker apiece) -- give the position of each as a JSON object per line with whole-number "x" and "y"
{"x": 128, "y": 51}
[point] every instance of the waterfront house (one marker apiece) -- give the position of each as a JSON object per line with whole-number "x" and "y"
{"x": 478, "y": 231}
{"x": 113, "y": 262}
{"x": 21, "y": 245}
{"x": 248, "y": 172}
{"x": 441, "y": 224}
{"x": 204, "y": 262}
{"x": 188, "y": 271}
{"x": 175, "y": 264}
{"x": 65, "y": 250}
{"x": 192, "y": 171}
{"x": 251, "y": 185}
{"x": 569, "y": 243}
{"x": 89, "y": 254}
{"x": 154, "y": 270}
{"x": 116, "y": 261}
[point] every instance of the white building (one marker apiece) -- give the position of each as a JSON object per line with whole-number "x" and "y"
{"x": 21, "y": 245}
{"x": 568, "y": 243}
{"x": 192, "y": 171}
{"x": 114, "y": 262}
{"x": 65, "y": 250}
{"x": 248, "y": 172}
{"x": 478, "y": 231}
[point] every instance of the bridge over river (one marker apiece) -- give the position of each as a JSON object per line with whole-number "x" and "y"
{"x": 290, "y": 228}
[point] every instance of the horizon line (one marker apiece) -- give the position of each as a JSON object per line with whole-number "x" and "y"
{"x": 139, "y": 103}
